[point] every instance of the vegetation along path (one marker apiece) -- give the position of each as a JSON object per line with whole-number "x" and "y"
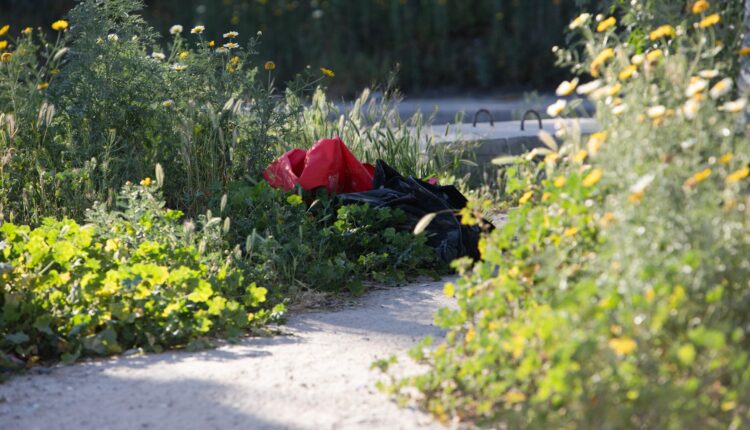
{"x": 315, "y": 376}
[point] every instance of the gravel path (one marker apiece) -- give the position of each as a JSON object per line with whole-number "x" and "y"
{"x": 316, "y": 377}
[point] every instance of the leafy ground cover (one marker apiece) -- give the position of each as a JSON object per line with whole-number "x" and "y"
{"x": 98, "y": 258}
{"x": 616, "y": 295}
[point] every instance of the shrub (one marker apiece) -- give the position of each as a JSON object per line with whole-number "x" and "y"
{"x": 616, "y": 295}
{"x": 135, "y": 278}
{"x": 325, "y": 246}
{"x": 107, "y": 103}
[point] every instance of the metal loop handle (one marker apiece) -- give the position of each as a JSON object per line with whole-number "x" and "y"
{"x": 476, "y": 116}
{"x": 526, "y": 115}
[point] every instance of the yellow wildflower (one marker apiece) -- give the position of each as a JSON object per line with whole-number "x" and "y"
{"x": 656, "y": 112}
{"x": 270, "y": 65}
{"x": 636, "y": 196}
{"x": 593, "y": 178}
{"x": 580, "y": 21}
{"x": 662, "y": 32}
{"x": 27, "y": 30}
{"x": 183, "y": 54}
{"x": 708, "y": 74}
{"x": 327, "y": 72}
{"x": 146, "y": 182}
{"x": 7, "y": 56}
{"x": 710, "y": 20}
{"x": 211, "y": 44}
{"x": 654, "y": 55}
{"x": 735, "y": 106}
{"x": 696, "y": 86}
{"x": 744, "y": 51}
{"x": 628, "y": 72}
{"x": 596, "y": 141}
{"x": 722, "y": 88}
{"x": 570, "y": 231}
{"x": 513, "y": 396}
{"x": 607, "y": 219}
{"x": 60, "y": 25}
{"x": 231, "y": 45}
{"x": 700, "y": 6}
{"x": 231, "y": 35}
{"x": 4, "y": 30}
{"x": 726, "y": 158}
{"x": 623, "y": 345}
{"x": 42, "y": 86}
{"x": 198, "y": 29}
{"x": 606, "y": 24}
{"x": 580, "y": 156}
{"x": 168, "y": 103}
{"x": 697, "y": 178}
{"x": 526, "y": 197}
{"x": 738, "y": 175}
{"x": 3, "y": 44}
{"x": 600, "y": 59}
{"x": 556, "y": 108}
{"x": 566, "y": 88}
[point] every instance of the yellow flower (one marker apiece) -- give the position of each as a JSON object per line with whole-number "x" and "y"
{"x": 231, "y": 45}
{"x": 691, "y": 108}
{"x": 512, "y": 397}
{"x": 726, "y": 158}
{"x": 234, "y": 60}
{"x": 628, "y": 72}
{"x": 183, "y": 54}
{"x": 270, "y": 65}
{"x": 231, "y": 35}
{"x": 167, "y": 103}
{"x": 697, "y": 178}
{"x": 708, "y": 74}
{"x": 636, "y": 197}
{"x": 3, "y": 44}
{"x": 556, "y": 108}
{"x": 221, "y": 50}
{"x": 570, "y": 231}
{"x": 700, "y": 6}
{"x": 42, "y": 86}
{"x": 710, "y": 20}
{"x": 596, "y": 141}
{"x": 580, "y": 21}
{"x": 146, "y": 182}
{"x": 662, "y": 32}
{"x": 600, "y": 59}
{"x": 27, "y": 30}
{"x": 738, "y": 175}
{"x": 623, "y": 345}
{"x": 4, "y": 30}
{"x": 744, "y": 51}
{"x": 606, "y": 24}
{"x": 722, "y": 88}
{"x": 560, "y": 181}
{"x": 580, "y": 156}
{"x": 7, "y": 56}
{"x": 526, "y": 197}
{"x": 211, "y": 44}
{"x": 327, "y": 72}
{"x": 607, "y": 219}
{"x": 589, "y": 87}
{"x": 198, "y": 29}
{"x": 60, "y": 25}
{"x": 566, "y": 88}
{"x": 735, "y": 106}
{"x": 656, "y": 112}
{"x": 696, "y": 86}
{"x": 654, "y": 55}
{"x": 593, "y": 178}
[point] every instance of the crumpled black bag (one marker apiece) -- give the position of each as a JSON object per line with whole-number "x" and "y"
{"x": 418, "y": 198}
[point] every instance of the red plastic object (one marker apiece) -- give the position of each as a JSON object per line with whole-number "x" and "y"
{"x": 328, "y": 164}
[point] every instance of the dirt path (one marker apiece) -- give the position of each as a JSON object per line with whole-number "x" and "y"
{"x": 318, "y": 377}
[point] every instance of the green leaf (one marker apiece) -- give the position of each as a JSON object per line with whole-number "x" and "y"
{"x": 686, "y": 354}
{"x": 17, "y": 338}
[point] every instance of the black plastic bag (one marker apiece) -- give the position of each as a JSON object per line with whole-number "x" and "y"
{"x": 417, "y": 198}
